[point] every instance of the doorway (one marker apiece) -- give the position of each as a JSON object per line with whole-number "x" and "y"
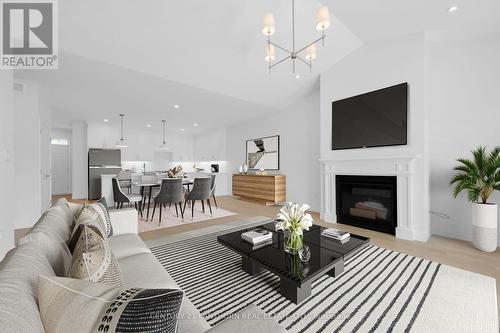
{"x": 61, "y": 177}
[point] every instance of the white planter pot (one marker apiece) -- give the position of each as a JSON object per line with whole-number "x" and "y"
{"x": 484, "y": 226}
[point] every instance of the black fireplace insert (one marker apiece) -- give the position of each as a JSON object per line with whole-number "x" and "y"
{"x": 367, "y": 201}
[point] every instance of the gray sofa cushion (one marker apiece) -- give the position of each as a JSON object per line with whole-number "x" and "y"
{"x": 145, "y": 271}
{"x": 126, "y": 245}
{"x": 57, "y": 221}
{"x": 18, "y": 289}
{"x": 55, "y": 250}
{"x": 50, "y": 234}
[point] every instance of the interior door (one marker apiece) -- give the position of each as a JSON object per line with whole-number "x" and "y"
{"x": 60, "y": 170}
{"x": 45, "y": 168}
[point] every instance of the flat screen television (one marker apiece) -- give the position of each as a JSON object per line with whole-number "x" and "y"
{"x": 373, "y": 119}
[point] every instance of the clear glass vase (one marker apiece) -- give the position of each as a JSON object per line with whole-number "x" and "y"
{"x": 293, "y": 240}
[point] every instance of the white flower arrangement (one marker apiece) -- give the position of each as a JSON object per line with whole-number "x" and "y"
{"x": 294, "y": 218}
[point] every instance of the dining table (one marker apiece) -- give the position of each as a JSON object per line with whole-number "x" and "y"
{"x": 185, "y": 181}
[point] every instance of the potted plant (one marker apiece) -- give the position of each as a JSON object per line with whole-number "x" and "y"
{"x": 480, "y": 177}
{"x": 292, "y": 219}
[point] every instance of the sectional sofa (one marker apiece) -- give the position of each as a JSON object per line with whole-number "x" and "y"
{"x": 44, "y": 251}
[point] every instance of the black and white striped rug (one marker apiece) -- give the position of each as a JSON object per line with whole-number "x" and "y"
{"x": 380, "y": 290}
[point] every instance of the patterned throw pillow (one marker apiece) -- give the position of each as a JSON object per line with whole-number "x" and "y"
{"x": 102, "y": 206}
{"x": 80, "y": 226}
{"x": 95, "y": 214}
{"x": 68, "y": 305}
{"x": 97, "y": 211}
{"x": 92, "y": 258}
{"x": 88, "y": 216}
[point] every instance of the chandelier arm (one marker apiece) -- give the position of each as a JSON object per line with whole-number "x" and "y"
{"x": 279, "y": 47}
{"x": 317, "y": 40}
{"x": 279, "y": 62}
{"x": 305, "y": 62}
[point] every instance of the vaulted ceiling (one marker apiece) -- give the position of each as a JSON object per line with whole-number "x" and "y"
{"x": 142, "y": 57}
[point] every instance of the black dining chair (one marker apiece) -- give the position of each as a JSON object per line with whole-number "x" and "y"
{"x": 200, "y": 192}
{"x": 125, "y": 179}
{"x": 171, "y": 192}
{"x": 212, "y": 189}
{"x": 120, "y": 197}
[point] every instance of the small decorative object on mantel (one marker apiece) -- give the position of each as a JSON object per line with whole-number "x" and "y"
{"x": 245, "y": 168}
{"x": 293, "y": 220}
{"x": 174, "y": 171}
{"x": 480, "y": 177}
{"x": 240, "y": 169}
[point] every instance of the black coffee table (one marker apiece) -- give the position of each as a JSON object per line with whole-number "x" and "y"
{"x": 296, "y": 277}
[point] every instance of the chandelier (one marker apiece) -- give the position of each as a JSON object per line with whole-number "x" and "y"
{"x": 309, "y": 51}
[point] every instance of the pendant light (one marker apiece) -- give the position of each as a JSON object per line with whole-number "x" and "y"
{"x": 322, "y": 18}
{"x": 270, "y": 55}
{"x": 121, "y": 143}
{"x": 164, "y": 146}
{"x": 268, "y": 25}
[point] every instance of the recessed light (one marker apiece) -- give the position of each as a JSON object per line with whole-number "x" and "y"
{"x": 177, "y": 106}
{"x": 148, "y": 125}
{"x": 452, "y": 9}
{"x": 106, "y": 120}
{"x": 195, "y": 124}
{"x": 182, "y": 129}
{"x": 297, "y": 76}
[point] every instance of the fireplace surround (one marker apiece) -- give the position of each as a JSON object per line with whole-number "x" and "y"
{"x": 367, "y": 201}
{"x": 412, "y": 219}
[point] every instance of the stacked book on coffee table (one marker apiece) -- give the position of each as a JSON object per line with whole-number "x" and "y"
{"x": 339, "y": 236}
{"x": 258, "y": 237}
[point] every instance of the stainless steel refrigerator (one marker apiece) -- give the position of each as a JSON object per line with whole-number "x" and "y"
{"x": 102, "y": 162}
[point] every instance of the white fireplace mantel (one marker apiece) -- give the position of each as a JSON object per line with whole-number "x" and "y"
{"x": 403, "y": 167}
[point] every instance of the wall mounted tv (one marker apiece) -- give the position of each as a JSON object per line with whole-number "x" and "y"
{"x": 373, "y": 119}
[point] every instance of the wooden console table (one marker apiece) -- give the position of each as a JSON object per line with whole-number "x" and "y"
{"x": 268, "y": 189}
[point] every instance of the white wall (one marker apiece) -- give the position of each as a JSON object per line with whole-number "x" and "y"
{"x": 27, "y": 157}
{"x": 298, "y": 128}
{"x": 371, "y": 67}
{"x": 24, "y": 134}
{"x": 6, "y": 160}
{"x": 79, "y": 160}
{"x": 211, "y": 145}
{"x": 464, "y": 114}
{"x": 61, "y": 133}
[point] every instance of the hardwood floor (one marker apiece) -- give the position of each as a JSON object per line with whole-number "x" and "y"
{"x": 69, "y": 198}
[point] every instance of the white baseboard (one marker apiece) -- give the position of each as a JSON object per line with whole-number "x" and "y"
{"x": 328, "y": 217}
{"x": 422, "y": 236}
{"x": 404, "y": 233}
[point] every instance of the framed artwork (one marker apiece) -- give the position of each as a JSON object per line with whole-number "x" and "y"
{"x": 263, "y": 153}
